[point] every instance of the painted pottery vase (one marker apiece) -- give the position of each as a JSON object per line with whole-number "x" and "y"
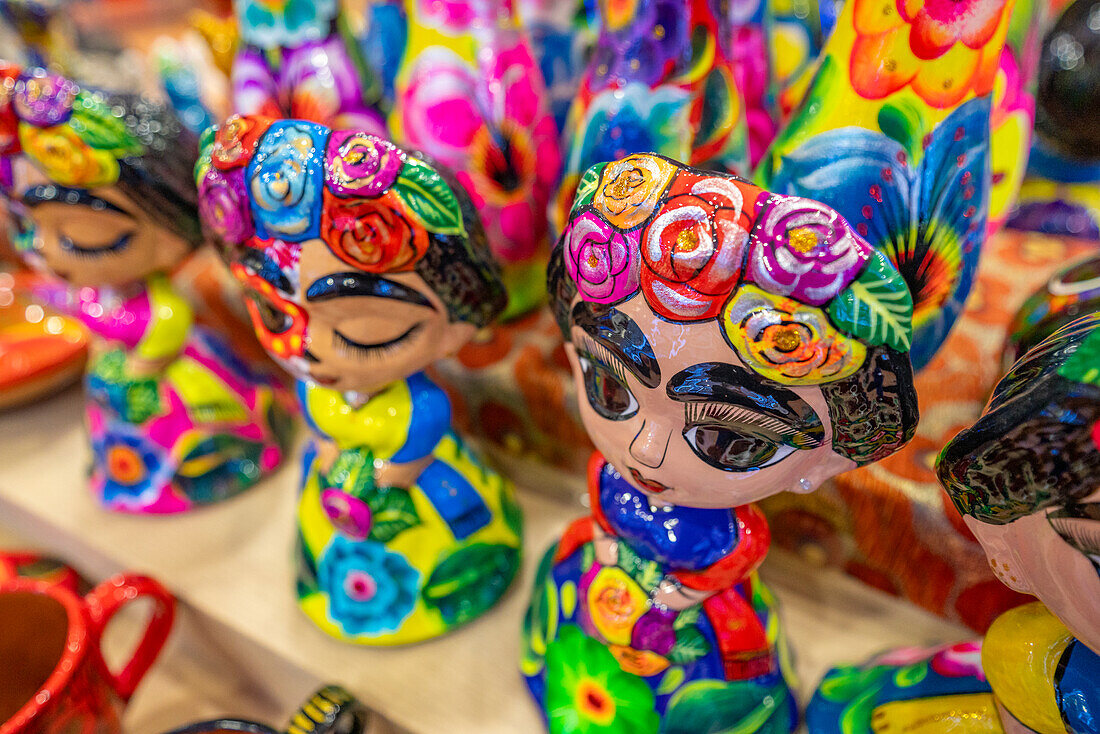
{"x": 101, "y": 185}
{"x": 53, "y": 678}
{"x": 894, "y": 133}
{"x": 661, "y": 79}
{"x": 364, "y": 264}
{"x": 1024, "y": 479}
{"x": 471, "y": 95}
{"x": 331, "y": 710}
{"x": 299, "y": 58}
{"x": 727, "y": 344}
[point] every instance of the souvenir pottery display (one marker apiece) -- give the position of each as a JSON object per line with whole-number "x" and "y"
{"x": 363, "y": 265}
{"x": 660, "y": 80}
{"x": 1026, "y": 479}
{"x": 53, "y": 678}
{"x": 298, "y": 58}
{"x": 102, "y": 186}
{"x": 1062, "y": 192}
{"x": 331, "y": 710}
{"x": 41, "y": 352}
{"x": 728, "y": 344}
{"x": 561, "y": 38}
{"x": 470, "y": 94}
{"x": 894, "y": 134}
{"x": 753, "y": 70}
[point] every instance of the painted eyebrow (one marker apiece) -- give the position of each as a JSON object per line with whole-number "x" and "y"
{"x": 265, "y": 267}
{"x": 363, "y": 284}
{"x": 618, "y": 333}
{"x": 726, "y": 383}
{"x": 52, "y": 193}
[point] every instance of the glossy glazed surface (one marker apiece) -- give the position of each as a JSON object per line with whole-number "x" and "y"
{"x": 363, "y": 264}
{"x": 331, "y": 710}
{"x": 727, "y": 344}
{"x": 100, "y": 192}
{"x": 1070, "y": 293}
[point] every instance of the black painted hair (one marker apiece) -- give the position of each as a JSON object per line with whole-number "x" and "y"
{"x": 1035, "y": 445}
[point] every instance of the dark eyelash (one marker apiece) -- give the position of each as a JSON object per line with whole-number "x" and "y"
{"x": 115, "y": 248}
{"x": 735, "y": 416}
{"x": 1082, "y": 534}
{"x": 600, "y": 354}
{"x": 358, "y": 350}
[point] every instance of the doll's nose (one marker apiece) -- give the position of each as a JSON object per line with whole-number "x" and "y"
{"x": 650, "y": 445}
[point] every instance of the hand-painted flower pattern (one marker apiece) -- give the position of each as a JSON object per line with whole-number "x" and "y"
{"x": 361, "y": 165}
{"x": 614, "y": 603}
{"x": 43, "y": 99}
{"x": 286, "y": 180}
{"x": 350, "y": 515}
{"x": 236, "y": 141}
{"x": 654, "y": 631}
{"x": 694, "y": 249}
{"x": 223, "y": 206}
{"x": 601, "y": 260}
{"x": 804, "y": 249}
{"x": 942, "y": 49}
{"x": 65, "y": 158}
{"x": 269, "y": 24}
{"x": 588, "y": 693}
{"x": 631, "y": 188}
{"x": 372, "y": 234}
{"x": 371, "y": 590}
{"x": 134, "y": 469}
{"x": 787, "y": 341}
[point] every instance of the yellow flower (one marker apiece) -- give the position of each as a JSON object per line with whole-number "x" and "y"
{"x": 65, "y": 158}
{"x": 615, "y": 602}
{"x": 631, "y": 188}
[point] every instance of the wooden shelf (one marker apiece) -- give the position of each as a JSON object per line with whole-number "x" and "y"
{"x": 231, "y": 565}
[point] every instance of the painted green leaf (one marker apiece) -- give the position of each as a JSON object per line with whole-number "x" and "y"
{"x": 392, "y": 513}
{"x": 687, "y": 618}
{"x": 904, "y": 122}
{"x": 588, "y": 556}
{"x": 541, "y": 621}
{"x": 429, "y": 198}
{"x": 1084, "y": 364}
{"x": 513, "y": 515}
{"x": 97, "y": 125}
{"x": 589, "y": 182}
{"x": 672, "y": 679}
{"x": 734, "y": 707}
{"x": 352, "y": 472}
{"x": 647, "y": 574}
{"x": 470, "y": 580}
{"x": 690, "y": 646}
{"x": 910, "y": 675}
{"x": 877, "y": 307}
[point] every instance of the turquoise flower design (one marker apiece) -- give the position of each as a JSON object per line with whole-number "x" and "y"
{"x": 371, "y": 590}
{"x": 285, "y": 180}
{"x": 287, "y": 23}
{"x": 134, "y": 470}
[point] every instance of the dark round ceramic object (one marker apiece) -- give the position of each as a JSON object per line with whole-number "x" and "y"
{"x": 1069, "y": 83}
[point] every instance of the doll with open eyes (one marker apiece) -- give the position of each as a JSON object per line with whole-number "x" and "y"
{"x": 99, "y": 186}
{"x": 1026, "y": 479}
{"x": 728, "y": 344}
{"x": 363, "y": 264}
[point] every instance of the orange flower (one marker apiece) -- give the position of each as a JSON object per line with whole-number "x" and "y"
{"x": 943, "y": 49}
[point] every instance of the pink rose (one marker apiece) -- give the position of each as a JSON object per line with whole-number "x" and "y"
{"x": 601, "y": 260}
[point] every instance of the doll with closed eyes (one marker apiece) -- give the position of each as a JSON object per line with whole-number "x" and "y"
{"x": 99, "y": 188}
{"x": 727, "y": 344}
{"x": 363, "y": 264}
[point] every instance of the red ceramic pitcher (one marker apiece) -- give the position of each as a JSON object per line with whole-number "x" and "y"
{"x": 53, "y": 678}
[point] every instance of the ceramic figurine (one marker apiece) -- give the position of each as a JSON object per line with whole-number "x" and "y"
{"x": 1024, "y": 478}
{"x": 1062, "y": 192}
{"x": 383, "y": 42}
{"x": 298, "y": 58}
{"x": 727, "y": 344}
{"x": 364, "y": 264}
{"x": 660, "y": 80}
{"x": 331, "y": 710}
{"x": 470, "y": 94}
{"x": 894, "y": 134}
{"x": 561, "y": 38}
{"x": 103, "y": 185}
{"x": 1069, "y": 294}
{"x": 754, "y": 72}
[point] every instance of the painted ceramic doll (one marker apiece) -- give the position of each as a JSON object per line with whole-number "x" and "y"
{"x": 894, "y": 133}
{"x": 298, "y": 58}
{"x": 728, "y": 344}
{"x": 660, "y": 80}
{"x": 470, "y": 94}
{"x": 1025, "y": 479}
{"x": 363, "y": 265}
{"x": 102, "y": 182}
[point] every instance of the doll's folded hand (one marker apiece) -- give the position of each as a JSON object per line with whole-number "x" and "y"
{"x": 674, "y": 595}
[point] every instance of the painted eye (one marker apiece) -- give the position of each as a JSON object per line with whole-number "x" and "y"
{"x": 607, "y": 394}
{"x": 730, "y": 450}
{"x": 270, "y": 318}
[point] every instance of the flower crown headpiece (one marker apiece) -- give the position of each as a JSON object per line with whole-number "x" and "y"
{"x": 74, "y": 135}
{"x": 798, "y": 294}
{"x": 374, "y": 205}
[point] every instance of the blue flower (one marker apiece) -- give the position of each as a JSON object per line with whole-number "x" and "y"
{"x": 268, "y": 25}
{"x": 134, "y": 471}
{"x": 285, "y": 180}
{"x": 371, "y": 590}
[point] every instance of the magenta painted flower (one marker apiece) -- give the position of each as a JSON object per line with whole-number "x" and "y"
{"x": 44, "y": 99}
{"x": 961, "y": 660}
{"x": 601, "y": 260}
{"x": 350, "y": 515}
{"x": 449, "y": 16}
{"x": 804, "y": 249}
{"x": 439, "y": 112}
{"x": 653, "y": 631}
{"x": 360, "y": 165}
{"x": 223, "y": 205}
